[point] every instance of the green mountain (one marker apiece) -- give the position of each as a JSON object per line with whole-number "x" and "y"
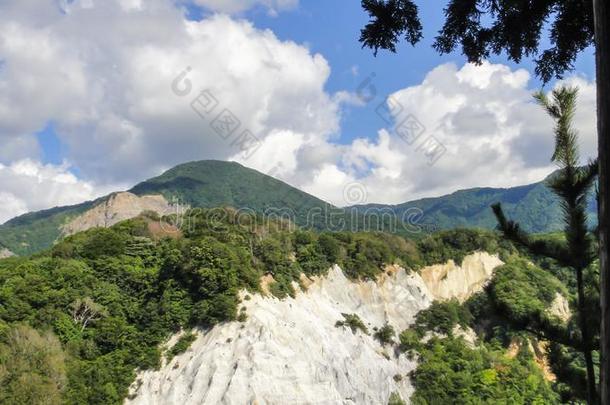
{"x": 213, "y": 183}
{"x": 85, "y": 315}
{"x": 35, "y": 231}
{"x": 78, "y": 321}
{"x": 534, "y": 206}
{"x": 206, "y": 184}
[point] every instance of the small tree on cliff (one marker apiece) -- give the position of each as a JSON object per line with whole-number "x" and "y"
{"x": 572, "y": 184}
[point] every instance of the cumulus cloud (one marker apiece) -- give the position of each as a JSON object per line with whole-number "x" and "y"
{"x": 102, "y": 72}
{"x": 31, "y": 186}
{"x": 273, "y": 7}
{"x": 109, "y": 91}
{"x": 493, "y": 132}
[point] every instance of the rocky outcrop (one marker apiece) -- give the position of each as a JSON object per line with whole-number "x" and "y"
{"x": 4, "y": 253}
{"x": 446, "y": 281}
{"x": 290, "y": 351}
{"x": 468, "y": 334}
{"x": 118, "y": 207}
{"x": 538, "y": 348}
{"x": 560, "y": 308}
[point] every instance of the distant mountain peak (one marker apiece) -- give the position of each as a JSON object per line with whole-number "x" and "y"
{"x": 205, "y": 183}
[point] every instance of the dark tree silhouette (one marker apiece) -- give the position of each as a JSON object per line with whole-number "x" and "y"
{"x": 484, "y": 27}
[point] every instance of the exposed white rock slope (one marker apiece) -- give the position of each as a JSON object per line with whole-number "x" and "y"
{"x": 290, "y": 352}
{"x": 118, "y": 207}
{"x": 560, "y": 307}
{"x": 449, "y": 280}
{"x": 4, "y": 253}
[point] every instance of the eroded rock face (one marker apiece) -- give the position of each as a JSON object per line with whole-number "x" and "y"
{"x": 539, "y": 348}
{"x": 560, "y": 307}
{"x": 446, "y": 281}
{"x": 290, "y": 351}
{"x": 118, "y": 207}
{"x": 4, "y": 253}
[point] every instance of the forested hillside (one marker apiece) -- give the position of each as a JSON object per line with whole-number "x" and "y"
{"x": 76, "y": 321}
{"x": 204, "y": 184}
{"x": 98, "y": 304}
{"x": 534, "y": 206}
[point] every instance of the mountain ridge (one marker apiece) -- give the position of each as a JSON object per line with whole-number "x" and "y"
{"x": 533, "y": 205}
{"x": 216, "y": 183}
{"x": 206, "y": 184}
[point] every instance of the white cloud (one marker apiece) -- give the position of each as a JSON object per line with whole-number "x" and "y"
{"x": 109, "y": 91}
{"x": 328, "y": 181}
{"x": 273, "y": 7}
{"x": 109, "y": 94}
{"x": 31, "y": 186}
{"x": 277, "y": 153}
{"x": 494, "y": 133}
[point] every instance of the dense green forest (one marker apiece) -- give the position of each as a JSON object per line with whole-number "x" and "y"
{"x": 78, "y": 320}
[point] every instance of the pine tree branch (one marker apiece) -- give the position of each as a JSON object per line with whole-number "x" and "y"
{"x": 513, "y": 232}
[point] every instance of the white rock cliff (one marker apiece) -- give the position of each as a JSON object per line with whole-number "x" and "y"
{"x": 449, "y": 280}
{"x": 290, "y": 351}
{"x": 4, "y": 253}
